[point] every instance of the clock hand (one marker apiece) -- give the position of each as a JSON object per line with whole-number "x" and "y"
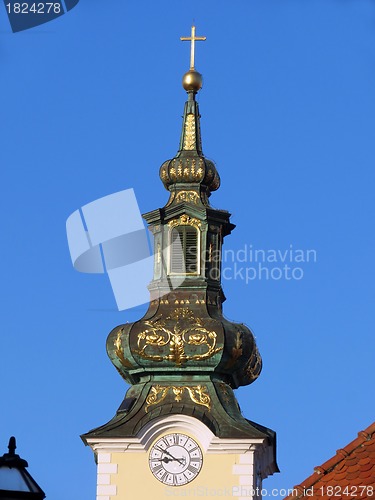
{"x": 164, "y": 451}
{"x": 179, "y": 460}
{"x": 167, "y": 452}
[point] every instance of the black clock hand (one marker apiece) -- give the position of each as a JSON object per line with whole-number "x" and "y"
{"x": 164, "y": 451}
{"x": 179, "y": 460}
{"x": 167, "y": 452}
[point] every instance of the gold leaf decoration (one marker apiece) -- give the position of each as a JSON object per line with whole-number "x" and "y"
{"x": 224, "y": 392}
{"x": 173, "y": 174}
{"x": 157, "y": 394}
{"x": 119, "y": 351}
{"x": 187, "y": 196}
{"x": 236, "y": 351}
{"x": 184, "y": 333}
{"x": 198, "y": 394}
{"x": 178, "y": 391}
{"x": 199, "y": 174}
{"x": 254, "y": 365}
{"x": 185, "y": 220}
{"x": 189, "y": 139}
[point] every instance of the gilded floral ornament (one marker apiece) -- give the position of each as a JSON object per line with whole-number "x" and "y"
{"x": 187, "y": 169}
{"x": 157, "y": 395}
{"x": 198, "y": 394}
{"x": 185, "y": 220}
{"x": 237, "y": 351}
{"x": 119, "y": 351}
{"x": 254, "y": 365}
{"x": 189, "y": 139}
{"x": 188, "y": 331}
{"x": 187, "y": 196}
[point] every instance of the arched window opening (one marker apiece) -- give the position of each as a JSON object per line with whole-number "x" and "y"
{"x": 184, "y": 251}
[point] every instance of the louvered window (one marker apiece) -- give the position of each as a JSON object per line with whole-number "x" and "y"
{"x": 184, "y": 250}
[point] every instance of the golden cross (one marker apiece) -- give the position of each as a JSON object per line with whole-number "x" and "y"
{"x": 192, "y": 39}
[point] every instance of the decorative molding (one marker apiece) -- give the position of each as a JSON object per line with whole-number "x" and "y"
{"x": 189, "y": 137}
{"x": 189, "y": 170}
{"x": 185, "y": 220}
{"x": 224, "y": 392}
{"x": 254, "y": 365}
{"x": 163, "y": 174}
{"x": 188, "y": 197}
{"x": 191, "y": 426}
{"x": 119, "y": 351}
{"x": 156, "y": 395}
{"x": 236, "y": 351}
{"x": 188, "y": 330}
{"x": 192, "y": 299}
{"x": 197, "y": 394}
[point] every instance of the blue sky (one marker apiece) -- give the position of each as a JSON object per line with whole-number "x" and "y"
{"x": 91, "y": 104}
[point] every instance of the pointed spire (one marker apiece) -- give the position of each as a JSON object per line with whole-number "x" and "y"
{"x": 192, "y": 82}
{"x": 190, "y": 166}
{"x": 191, "y": 133}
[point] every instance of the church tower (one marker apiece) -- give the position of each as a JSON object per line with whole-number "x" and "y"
{"x": 179, "y": 430}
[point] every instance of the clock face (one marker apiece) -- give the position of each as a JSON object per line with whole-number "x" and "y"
{"x": 175, "y": 459}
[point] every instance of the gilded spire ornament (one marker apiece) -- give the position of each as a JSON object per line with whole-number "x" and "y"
{"x": 193, "y": 39}
{"x": 192, "y": 80}
{"x": 183, "y": 357}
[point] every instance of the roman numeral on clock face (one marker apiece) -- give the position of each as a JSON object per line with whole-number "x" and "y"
{"x": 191, "y": 469}
{"x": 172, "y": 439}
{"x": 160, "y": 473}
{"x": 156, "y": 466}
{"x": 195, "y": 465}
{"x": 195, "y": 453}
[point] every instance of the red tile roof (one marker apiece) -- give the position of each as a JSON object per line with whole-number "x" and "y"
{"x": 349, "y": 475}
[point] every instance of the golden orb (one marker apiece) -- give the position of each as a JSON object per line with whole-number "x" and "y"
{"x": 192, "y": 80}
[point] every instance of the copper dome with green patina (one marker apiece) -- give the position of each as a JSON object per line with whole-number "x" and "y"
{"x": 184, "y": 356}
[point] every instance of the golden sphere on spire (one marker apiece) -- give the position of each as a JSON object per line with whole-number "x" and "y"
{"x": 192, "y": 81}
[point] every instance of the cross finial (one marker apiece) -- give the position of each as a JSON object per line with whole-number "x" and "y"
{"x": 192, "y": 39}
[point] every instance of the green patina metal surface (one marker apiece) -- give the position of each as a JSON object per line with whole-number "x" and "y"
{"x": 183, "y": 356}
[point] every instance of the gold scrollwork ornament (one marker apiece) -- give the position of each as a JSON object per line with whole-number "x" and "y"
{"x": 196, "y": 393}
{"x": 185, "y": 220}
{"x": 183, "y": 334}
{"x": 119, "y": 351}
{"x": 187, "y": 196}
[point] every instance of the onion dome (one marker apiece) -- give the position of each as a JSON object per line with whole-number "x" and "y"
{"x": 190, "y": 166}
{"x": 184, "y": 356}
{"x": 194, "y": 340}
{"x": 184, "y": 333}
